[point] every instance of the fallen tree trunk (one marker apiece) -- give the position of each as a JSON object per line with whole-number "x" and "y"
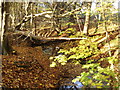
{"x": 29, "y": 34}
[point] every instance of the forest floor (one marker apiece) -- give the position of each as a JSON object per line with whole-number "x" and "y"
{"x": 30, "y": 68}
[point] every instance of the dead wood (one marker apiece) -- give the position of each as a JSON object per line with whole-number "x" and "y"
{"x": 103, "y": 55}
{"x": 116, "y": 53}
{"x": 29, "y": 34}
{"x": 103, "y": 33}
{"x": 103, "y": 38}
{"x": 100, "y": 41}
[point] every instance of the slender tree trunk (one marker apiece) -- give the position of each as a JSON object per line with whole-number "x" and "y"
{"x": 87, "y": 19}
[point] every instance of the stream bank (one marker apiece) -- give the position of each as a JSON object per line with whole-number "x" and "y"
{"x": 30, "y": 67}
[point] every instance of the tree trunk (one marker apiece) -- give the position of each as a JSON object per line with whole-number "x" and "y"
{"x": 0, "y": 27}
{"x": 6, "y": 48}
{"x": 87, "y": 19}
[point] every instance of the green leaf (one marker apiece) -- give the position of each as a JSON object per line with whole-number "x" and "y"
{"x": 72, "y": 57}
{"x": 53, "y": 64}
{"x": 62, "y": 51}
{"x": 88, "y": 66}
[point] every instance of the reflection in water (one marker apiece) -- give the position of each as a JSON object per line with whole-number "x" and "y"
{"x": 69, "y": 85}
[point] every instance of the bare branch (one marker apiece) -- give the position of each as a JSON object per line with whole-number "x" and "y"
{"x": 68, "y": 13}
{"x": 40, "y": 14}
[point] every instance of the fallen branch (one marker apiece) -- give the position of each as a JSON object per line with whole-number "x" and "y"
{"x": 103, "y": 33}
{"x": 104, "y": 54}
{"x": 116, "y": 54}
{"x": 103, "y": 38}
